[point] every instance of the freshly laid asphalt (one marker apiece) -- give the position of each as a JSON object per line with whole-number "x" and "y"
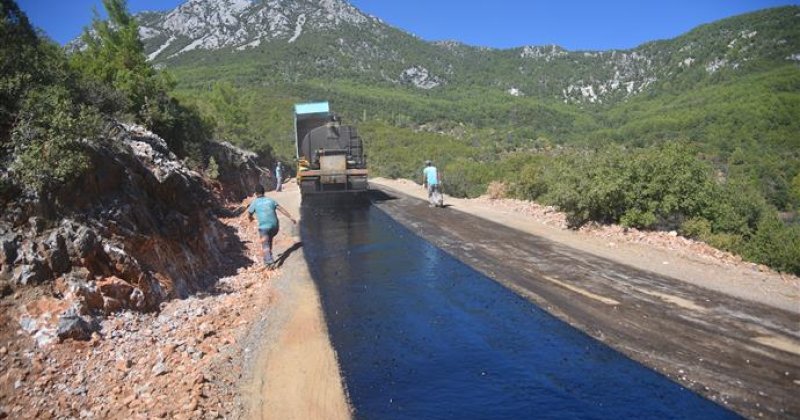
{"x": 743, "y": 355}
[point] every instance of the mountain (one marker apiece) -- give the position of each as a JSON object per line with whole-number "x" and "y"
{"x": 296, "y": 40}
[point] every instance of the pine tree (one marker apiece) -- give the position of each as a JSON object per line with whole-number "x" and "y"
{"x": 231, "y": 119}
{"x": 115, "y": 55}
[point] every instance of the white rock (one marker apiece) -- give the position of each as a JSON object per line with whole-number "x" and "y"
{"x": 420, "y": 77}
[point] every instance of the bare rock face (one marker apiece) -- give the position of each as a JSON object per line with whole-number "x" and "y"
{"x": 239, "y": 172}
{"x": 138, "y": 229}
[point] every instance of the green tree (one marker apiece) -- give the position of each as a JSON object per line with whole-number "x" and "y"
{"x": 229, "y": 113}
{"x": 21, "y": 58}
{"x": 44, "y": 122}
{"x": 114, "y": 55}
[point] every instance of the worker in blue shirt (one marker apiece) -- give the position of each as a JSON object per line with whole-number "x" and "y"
{"x": 264, "y": 208}
{"x": 432, "y": 181}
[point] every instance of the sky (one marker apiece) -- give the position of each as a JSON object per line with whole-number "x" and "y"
{"x": 575, "y": 25}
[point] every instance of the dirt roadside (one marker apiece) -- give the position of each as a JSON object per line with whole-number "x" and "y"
{"x": 660, "y": 253}
{"x": 295, "y": 373}
{"x": 740, "y": 352}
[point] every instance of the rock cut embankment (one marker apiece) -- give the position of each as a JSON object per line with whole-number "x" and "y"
{"x": 140, "y": 228}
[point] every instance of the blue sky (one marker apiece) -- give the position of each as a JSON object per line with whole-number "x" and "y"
{"x": 575, "y": 25}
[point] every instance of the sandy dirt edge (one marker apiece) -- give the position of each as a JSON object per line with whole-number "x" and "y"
{"x": 740, "y": 280}
{"x": 295, "y": 371}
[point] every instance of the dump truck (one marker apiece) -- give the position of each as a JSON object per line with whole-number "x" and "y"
{"x": 330, "y": 155}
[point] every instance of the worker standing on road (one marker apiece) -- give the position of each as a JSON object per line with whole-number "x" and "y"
{"x": 432, "y": 181}
{"x": 264, "y": 209}
{"x": 278, "y": 176}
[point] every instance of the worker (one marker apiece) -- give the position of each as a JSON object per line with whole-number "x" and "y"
{"x": 432, "y": 181}
{"x": 264, "y": 209}
{"x": 278, "y": 176}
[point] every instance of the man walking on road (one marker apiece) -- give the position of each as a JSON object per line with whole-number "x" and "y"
{"x": 264, "y": 209}
{"x": 278, "y": 177}
{"x": 432, "y": 181}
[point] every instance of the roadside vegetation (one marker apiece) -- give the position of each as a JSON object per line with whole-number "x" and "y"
{"x": 53, "y": 106}
{"x": 668, "y": 188}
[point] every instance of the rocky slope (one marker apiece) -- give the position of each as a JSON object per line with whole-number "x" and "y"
{"x": 300, "y": 39}
{"x": 139, "y": 229}
{"x": 185, "y": 362}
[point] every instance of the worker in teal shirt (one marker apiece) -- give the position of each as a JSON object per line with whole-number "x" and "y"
{"x": 432, "y": 181}
{"x": 264, "y": 208}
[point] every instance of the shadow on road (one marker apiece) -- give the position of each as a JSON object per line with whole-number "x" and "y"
{"x": 380, "y": 196}
{"x": 285, "y": 254}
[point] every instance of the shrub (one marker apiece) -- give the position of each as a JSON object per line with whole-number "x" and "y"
{"x": 183, "y": 128}
{"x": 638, "y": 218}
{"x": 726, "y": 241}
{"x": 212, "y": 171}
{"x": 776, "y": 245}
{"x": 587, "y": 186}
{"x": 697, "y": 228}
{"x": 794, "y": 191}
{"x": 645, "y": 188}
{"x": 467, "y": 177}
{"x": 457, "y": 182}
{"x": 737, "y": 208}
{"x": 48, "y": 138}
{"x": 497, "y": 190}
{"x": 530, "y": 183}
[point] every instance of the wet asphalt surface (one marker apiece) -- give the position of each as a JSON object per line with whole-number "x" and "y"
{"x": 420, "y": 334}
{"x": 740, "y": 354}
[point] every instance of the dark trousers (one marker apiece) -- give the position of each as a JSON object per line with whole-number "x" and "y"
{"x": 267, "y": 235}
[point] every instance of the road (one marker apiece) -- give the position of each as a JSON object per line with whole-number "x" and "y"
{"x": 743, "y": 354}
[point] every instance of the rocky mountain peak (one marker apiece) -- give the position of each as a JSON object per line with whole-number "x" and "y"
{"x": 242, "y": 24}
